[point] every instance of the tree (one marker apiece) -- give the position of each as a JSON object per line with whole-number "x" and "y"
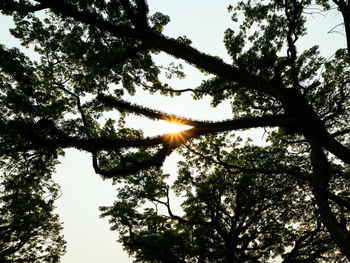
{"x": 105, "y": 48}
{"x": 231, "y": 214}
{"x": 30, "y": 231}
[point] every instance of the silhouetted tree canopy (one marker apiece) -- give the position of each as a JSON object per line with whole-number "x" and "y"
{"x": 232, "y": 213}
{"x": 30, "y": 231}
{"x": 241, "y": 202}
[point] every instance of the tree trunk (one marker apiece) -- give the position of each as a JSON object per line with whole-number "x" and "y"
{"x": 321, "y": 175}
{"x": 344, "y": 8}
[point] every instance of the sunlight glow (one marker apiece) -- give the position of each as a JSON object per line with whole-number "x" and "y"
{"x": 165, "y": 127}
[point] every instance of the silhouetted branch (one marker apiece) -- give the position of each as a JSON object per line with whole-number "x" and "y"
{"x": 80, "y": 109}
{"x": 300, "y": 244}
{"x": 179, "y": 218}
{"x": 339, "y": 201}
{"x": 65, "y": 9}
{"x": 344, "y": 8}
{"x": 128, "y": 168}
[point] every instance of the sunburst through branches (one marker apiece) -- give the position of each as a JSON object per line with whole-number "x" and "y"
{"x": 175, "y": 130}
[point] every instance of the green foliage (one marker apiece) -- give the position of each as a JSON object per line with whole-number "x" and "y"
{"x": 159, "y": 20}
{"x": 30, "y": 231}
{"x": 231, "y": 214}
{"x": 239, "y": 202}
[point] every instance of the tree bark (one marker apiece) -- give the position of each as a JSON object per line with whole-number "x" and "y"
{"x": 345, "y": 10}
{"x": 320, "y": 180}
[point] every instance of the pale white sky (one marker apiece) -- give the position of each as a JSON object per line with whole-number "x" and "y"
{"x": 89, "y": 239}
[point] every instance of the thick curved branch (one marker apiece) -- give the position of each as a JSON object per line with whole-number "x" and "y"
{"x": 290, "y": 99}
{"x": 322, "y": 172}
{"x": 130, "y": 168}
{"x": 248, "y": 122}
{"x": 171, "y": 142}
{"x": 168, "y": 45}
{"x": 68, "y": 10}
{"x": 143, "y": 111}
{"x": 45, "y": 134}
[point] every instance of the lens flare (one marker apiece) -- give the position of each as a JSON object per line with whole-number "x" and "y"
{"x": 177, "y": 132}
{"x": 171, "y": 126}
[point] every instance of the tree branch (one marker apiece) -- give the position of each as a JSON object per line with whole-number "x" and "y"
{"x": 178, "y": 218}
{"x": 128, "y": 10}
{"x": 65, "y": 9}
{"x": 249, "y": 122}
{"x": 143, "y": 10}
{"x": 130, "y": 167}
{"x": 298, "y": 244}
{"x": 292, "y": 101}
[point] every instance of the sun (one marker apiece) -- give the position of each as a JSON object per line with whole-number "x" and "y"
{"x": 166, "y": 127}
{"x": 175, "y": 133}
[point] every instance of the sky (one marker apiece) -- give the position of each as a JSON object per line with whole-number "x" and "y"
{"x": 88, "y": 237}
